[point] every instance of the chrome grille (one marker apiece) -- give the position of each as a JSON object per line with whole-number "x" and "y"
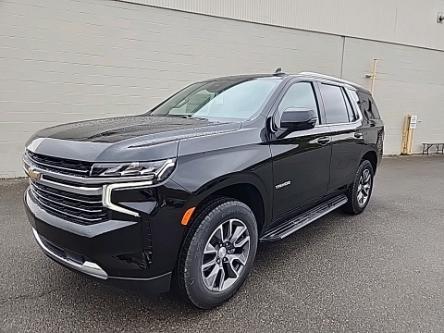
{"x": 60, "y": 165}
{"x": 82, "y": 209}
{"x": 61, "y": 188}
{"x": 65, "y": 188}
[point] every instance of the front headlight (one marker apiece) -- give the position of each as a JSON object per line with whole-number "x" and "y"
{"x": 156, "y": 170}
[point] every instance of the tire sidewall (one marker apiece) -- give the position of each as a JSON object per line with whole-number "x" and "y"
{"x": 196, "y": 290}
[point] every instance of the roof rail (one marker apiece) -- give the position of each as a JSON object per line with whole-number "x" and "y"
{"x": 331, "y": 78}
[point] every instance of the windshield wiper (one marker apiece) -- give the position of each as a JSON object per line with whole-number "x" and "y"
{"x": 189, "y": 116}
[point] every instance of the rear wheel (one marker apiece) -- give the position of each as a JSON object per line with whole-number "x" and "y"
{"x": 360, "y": 191}
{"x": 218, "y": 253}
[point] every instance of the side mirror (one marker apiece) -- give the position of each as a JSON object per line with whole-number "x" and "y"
{"x": 296, "y": 119}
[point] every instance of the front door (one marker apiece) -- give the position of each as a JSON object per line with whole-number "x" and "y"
{"x": 301, "y": 159}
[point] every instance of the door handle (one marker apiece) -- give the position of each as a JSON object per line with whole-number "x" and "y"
{"x": 358, "y": 135}
{"x": 324, "y": 140}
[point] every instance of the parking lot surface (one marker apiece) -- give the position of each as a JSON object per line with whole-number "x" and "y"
{"x": 380, "y": 271}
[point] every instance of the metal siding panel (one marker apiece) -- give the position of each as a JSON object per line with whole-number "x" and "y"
{"x": 67, "y": 60}
{"x": 63, "y": 61}
{"x": 390, "y": 21}
{"x": 409, "y": 80}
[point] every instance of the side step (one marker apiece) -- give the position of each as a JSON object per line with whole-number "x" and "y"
{"x": 287, "y": 228}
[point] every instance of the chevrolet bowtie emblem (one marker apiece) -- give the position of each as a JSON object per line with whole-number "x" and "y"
{"x": 33, "y": 175}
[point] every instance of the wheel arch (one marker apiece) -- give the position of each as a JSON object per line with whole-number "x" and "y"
{"x": 248, "y": 189}
{"x": 372, "y": 157}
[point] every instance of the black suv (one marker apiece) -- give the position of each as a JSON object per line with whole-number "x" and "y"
{"x": 181, "y": 196}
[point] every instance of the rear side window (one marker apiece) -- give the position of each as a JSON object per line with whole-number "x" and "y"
{"x": 368, "y": 106}
{"x": 352, "y": 116}
{"x": 373, "y": 109}
{"x": 334, "y": 103}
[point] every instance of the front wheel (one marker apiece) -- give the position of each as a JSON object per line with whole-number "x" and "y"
{"x": 360, "y": 191}
{"x": 218, "y": 253}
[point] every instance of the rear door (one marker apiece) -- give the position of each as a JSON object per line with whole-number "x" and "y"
{"x": 347, "y": 139}
{"x": 301, "y": 159}
{"x": 373, "y": 127}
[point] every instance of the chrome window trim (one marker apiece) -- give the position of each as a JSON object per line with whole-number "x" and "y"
{"x": 356, "y": 123}
{"x": 331, "y": 79}
{"x": 87, "y": 267}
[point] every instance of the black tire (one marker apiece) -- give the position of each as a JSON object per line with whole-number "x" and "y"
{"x": 191, "y": 283}
{"x": 354, "y": 206}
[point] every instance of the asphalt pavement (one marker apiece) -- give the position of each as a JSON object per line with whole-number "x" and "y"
{"x": 380, "y": 271}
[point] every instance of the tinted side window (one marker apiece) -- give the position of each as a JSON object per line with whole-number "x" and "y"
{"x": 351, "y": 113}
{"x": 354, "y": 99}
{"x": 368, "y": 107}
{"x": 334, "y": 103}
{"x": 299, "y": 95}
{"x": 374, "y": 109}
{"x": 364, "y": 105}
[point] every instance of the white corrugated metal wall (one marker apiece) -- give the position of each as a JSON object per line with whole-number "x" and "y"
{"x": 409, "y": 80}
{"x": 411, "y": 22}
{"x": 66, "y": 60}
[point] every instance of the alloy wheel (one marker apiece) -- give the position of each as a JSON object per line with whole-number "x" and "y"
{"x": 225, "y": 255}
{"x": 364, "y": 187}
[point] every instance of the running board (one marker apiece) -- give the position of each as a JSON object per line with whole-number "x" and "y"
{"x": 287, "y": 228}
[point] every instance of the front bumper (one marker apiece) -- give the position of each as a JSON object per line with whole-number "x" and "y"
{"x": 156, "y": 284}
{"x": 86, "y": 266}
{"x": 114, "y": 250}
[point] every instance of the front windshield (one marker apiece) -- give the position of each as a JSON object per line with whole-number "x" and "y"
{"x": 229, "y": 99}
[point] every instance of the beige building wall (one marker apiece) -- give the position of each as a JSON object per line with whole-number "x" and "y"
{"x": 399, "y": 21}
{"x": 409, "y": 80}
{"x": 66, "y": 60}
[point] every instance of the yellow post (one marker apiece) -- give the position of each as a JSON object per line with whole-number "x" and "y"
{"x": 412, "y": 126}
{"x": 407, "y": 134}
{"x": 373, "y": 75}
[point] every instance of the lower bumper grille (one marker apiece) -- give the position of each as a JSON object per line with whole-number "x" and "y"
{"x": 82, "y": 209}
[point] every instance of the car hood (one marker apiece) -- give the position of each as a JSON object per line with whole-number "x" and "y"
{"x": 134, "y": 138}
